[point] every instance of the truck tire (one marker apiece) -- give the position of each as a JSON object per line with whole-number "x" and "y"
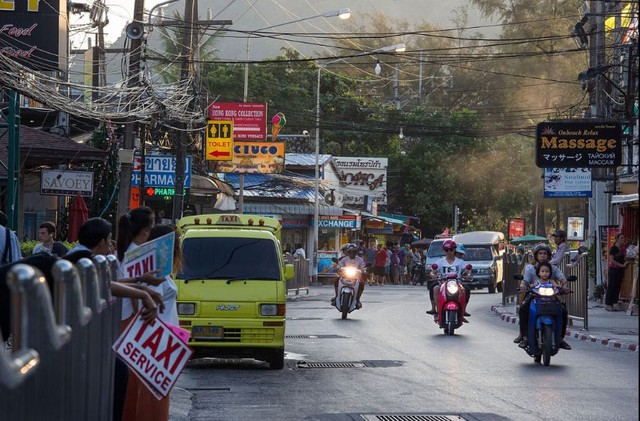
{"x": 276, "y": 360}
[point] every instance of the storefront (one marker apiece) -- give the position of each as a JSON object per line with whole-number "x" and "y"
{"x": 333, "y": 232}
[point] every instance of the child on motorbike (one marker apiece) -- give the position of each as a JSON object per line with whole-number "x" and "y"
{"x": 543, "y": 271}
{"x": 351, "y": 259}
{"x": 447, "y": 265}
{"x": 541, "y": 255}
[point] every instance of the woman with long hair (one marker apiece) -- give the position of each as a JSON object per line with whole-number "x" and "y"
{"x": 141, "y": 404}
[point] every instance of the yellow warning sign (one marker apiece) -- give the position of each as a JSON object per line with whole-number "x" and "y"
{"x": 219, "y": 140}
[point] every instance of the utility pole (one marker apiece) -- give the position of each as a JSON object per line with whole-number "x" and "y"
{"x": 126, "y": 168}
{"x": 186, "y": 71}
{"x": 598, "y": 204}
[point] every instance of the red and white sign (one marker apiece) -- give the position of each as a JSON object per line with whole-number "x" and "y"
{"x": 249, "y": 118}
{"x": 154, "y": 352}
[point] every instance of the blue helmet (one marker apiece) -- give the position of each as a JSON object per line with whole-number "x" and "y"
{"x": 460, "y": 249}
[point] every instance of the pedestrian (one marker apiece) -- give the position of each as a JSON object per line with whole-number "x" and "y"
{"x": 144, "y": 405}
{"x": 402, "y": 265}
{"x": 617, "y": 264}
{"x": 387, "y": 266}
{"x": 134, "y": 228}
{"x": 394, "y": 261}
{"x": 11, "y": 253}
{"x": 408, "y": 260}
{"x": 48, "y": 243}
{"x": 562, "y": 248}
{"x": 380, "y": 261}
{"x": 299, "y": 253}
{"x": 94, "y": 238}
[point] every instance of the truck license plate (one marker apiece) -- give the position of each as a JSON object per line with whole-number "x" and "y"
{"x": 207, "y": 332}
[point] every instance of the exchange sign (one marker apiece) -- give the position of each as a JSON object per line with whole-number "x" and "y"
{"x": 582, "y": 144}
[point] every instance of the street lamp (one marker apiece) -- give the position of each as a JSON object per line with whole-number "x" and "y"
{"x": 341, "y": 13}
{"x": 398, "y": 48}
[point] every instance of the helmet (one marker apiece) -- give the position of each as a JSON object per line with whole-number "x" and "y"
{"x": 460, "y": 249}
{"x": 449, "y": 244}
{"x": 540, "y": 247}
{"x": 351, "y": 248}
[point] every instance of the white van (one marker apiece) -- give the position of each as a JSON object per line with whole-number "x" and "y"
{"x": 485, "y": 252}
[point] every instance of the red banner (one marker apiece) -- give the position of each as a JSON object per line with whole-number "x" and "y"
{"x": 516, "y": 227}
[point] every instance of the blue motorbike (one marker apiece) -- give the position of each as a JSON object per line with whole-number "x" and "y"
{"x": 545, "y": 321}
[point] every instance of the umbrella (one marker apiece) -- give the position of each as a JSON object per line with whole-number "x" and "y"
{"x": 422, "y": 243}
{"x": 78, "y": 215}
{"x": 529, "y": 238}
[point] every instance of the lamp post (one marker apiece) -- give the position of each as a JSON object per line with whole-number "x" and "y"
{"x": 398, "y": 48}
{"x": 341, "y": 13}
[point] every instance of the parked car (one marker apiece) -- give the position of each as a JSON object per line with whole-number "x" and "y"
{"x": 484, "y": 251}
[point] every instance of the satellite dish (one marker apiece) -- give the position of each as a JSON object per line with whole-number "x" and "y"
{"x": 135, "y": 30}
{"x": 330, "y": 198}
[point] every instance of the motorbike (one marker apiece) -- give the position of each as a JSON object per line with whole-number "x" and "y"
{"x": 545, "y": 321}
{"x": 417, "y": 274}
{"x": 451, "y": 302}
{"x": 348, "y": 285}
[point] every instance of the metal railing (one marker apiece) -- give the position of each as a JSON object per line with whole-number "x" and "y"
{"x": 61, "y": 364}
{"x": 576, "y": 301}
{"x": 301, "y": 279}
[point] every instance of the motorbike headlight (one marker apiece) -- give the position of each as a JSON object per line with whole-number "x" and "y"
{"x": 546, "y": 291}
{"x": 350, "y": 272}
{"x": 186, "y": 309}
{"x": 452, "y": 287}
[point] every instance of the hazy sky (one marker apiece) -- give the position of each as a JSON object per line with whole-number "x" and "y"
{"x": 253, "y": 14}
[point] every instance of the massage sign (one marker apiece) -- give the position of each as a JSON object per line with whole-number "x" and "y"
{"x": 578, "y": 144}
{"x": 154, "y": 352}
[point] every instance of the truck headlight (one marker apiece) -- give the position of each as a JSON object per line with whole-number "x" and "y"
{"x": 272, "y": 309}
{"x": 186, "y": 309}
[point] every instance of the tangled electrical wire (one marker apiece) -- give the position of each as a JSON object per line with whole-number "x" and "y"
{"x": 168, "y": 104}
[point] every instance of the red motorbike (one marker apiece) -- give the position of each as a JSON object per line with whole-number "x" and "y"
{"x": 451, "y": 302}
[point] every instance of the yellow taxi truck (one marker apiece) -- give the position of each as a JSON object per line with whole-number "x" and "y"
{"x": 232, "y": 287}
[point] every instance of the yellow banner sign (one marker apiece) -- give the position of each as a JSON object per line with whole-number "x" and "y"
{"x": 254, "y": 158}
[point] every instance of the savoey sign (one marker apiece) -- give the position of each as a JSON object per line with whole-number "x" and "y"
{"x": 66, "y": 183}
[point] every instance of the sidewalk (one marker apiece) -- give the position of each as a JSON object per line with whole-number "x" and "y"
{"x": 614, "y": 329}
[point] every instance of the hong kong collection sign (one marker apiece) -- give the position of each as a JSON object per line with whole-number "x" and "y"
{"x": 578, "y": 144}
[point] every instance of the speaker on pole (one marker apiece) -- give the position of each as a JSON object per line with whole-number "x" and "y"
{"x": 135, "y": 30}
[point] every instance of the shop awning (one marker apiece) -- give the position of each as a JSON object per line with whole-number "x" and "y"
{"x": 291, "y": 209}
{"x": 389, "y": 220}
{"x": 617, "y": 199}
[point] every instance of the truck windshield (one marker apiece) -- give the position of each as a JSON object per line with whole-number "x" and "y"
{"x": 226, "y": 257}
{"x": 478, "y": 254}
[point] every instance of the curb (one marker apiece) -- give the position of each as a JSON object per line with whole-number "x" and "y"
{"x": 609, "y": 342}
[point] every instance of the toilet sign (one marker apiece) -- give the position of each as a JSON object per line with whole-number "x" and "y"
{"x": 219, "y": 146}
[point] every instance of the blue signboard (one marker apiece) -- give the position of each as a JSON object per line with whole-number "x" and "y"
{"x": 160, "y": 171}
{"x": 567, "y": 182}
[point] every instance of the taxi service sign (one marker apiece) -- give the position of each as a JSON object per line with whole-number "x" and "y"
{"x": 578, "y": 144}
{"x": 219, "y": 140}
{"x": 155, "y": 352}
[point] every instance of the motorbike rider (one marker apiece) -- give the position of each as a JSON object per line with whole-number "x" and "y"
{"x": 447, "y": 265}
{"x": 460, "y": 252}
{"x": 541, "y": 254}
{"x": 351, "y": 259}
